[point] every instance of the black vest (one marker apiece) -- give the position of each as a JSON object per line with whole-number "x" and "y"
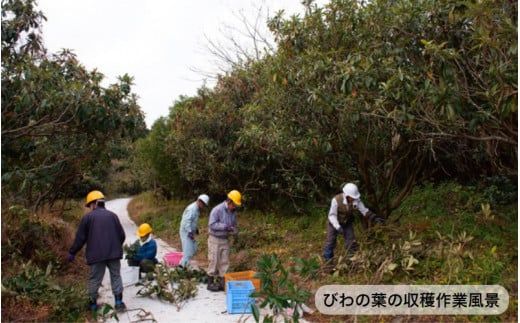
{"x": 345, "y": 212}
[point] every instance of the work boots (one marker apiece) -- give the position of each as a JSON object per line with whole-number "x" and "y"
{"x": 221, "y": 284}
{"x": 213, "y": 284}
{"x": 92, "y": 305}
{"x": 329, "y": 266}
{"x": 119, "y": 305}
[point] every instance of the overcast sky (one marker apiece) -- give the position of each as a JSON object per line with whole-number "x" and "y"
{"x": 159, "y": 43}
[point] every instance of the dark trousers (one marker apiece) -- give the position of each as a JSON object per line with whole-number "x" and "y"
{"x": 145, "y": 265}
{"x": 97, "y": 272}
{"x": 332, "y": 234}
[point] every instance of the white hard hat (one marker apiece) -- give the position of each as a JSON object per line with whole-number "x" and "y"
{"x": 204, "y": 198}
{"x": 351, "y": 190}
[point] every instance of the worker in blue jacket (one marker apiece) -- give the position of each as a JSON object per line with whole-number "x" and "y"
{"x": 146, "y": 254}
{"x": 189, "y": 228}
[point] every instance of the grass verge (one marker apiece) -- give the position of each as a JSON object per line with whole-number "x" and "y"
{"x": 441, "y": 234}
{"x": 38, "y": 284}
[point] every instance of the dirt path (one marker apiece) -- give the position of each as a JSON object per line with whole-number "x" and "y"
{"x": 205, "y": 307}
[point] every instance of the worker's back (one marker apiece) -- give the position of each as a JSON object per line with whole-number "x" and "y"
{"x": 101, "y": 230}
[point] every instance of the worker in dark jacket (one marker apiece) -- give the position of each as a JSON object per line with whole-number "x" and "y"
{"x": 101, "y": 230}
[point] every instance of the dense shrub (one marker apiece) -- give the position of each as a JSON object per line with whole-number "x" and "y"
{"x": 58, "y": 122}
{"x": 37, "y": 282}
{"x": 46, "y": 300}
{"x": 383, "y": 93}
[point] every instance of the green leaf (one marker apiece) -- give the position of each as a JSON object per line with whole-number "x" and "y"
{"x": 256, "y": 312}
{"x": 268, "y": 319}
{"x": 425, "y": 42}
{"x": 48, "y": 270}
{"x": 106, "y": 309}
{"x": 392, "y": 266}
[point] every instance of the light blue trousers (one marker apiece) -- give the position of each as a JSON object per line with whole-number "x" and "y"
{"x": 189, "y": 248}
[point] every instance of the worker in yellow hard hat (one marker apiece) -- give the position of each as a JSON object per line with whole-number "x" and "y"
{"x": 146, "y": 251}
{"x": 222, "y": 223}
{"x": 144, "y": 230}
{"x": 103, "y": 234}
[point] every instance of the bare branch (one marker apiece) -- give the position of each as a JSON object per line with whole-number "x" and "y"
{"x": 483, "y": 138}
{"x": 243, "y": 43}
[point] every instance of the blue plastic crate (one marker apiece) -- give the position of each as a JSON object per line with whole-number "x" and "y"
{"x": 238, "y": 296}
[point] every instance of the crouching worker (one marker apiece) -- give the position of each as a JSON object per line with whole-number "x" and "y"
{"x": 147, "y": 251}
{"x": 341, "y": 220}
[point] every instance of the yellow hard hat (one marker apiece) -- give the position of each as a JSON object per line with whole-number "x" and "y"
{"x": 236, "y": 197}
{"x": 94, "y": 195}
{"x": 144, "y": 229}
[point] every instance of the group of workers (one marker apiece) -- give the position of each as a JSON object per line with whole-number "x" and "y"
{"x": 222, "y": 223}
{"x": 102, "y": 232}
